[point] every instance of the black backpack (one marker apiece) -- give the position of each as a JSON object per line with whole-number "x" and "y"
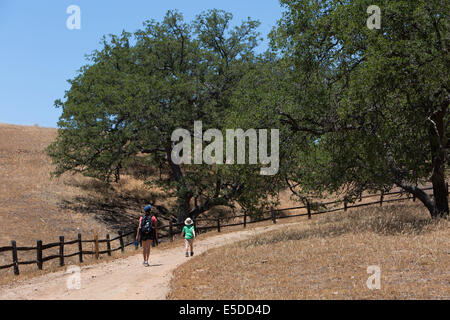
{"x": 147, "y": 227}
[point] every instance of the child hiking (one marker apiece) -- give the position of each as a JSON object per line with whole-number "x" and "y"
{"x": 189, "y": 235}
{"x": 146, "y": 232}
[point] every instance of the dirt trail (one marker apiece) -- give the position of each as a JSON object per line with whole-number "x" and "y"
{"x": 121, "y": 279}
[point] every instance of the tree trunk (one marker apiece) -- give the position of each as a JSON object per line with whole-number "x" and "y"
{"x": 438, "y": 207}
{"x": 421, "y": 195}
{"x": 438, "y": 144}
{"x": 184, "y": 206}
{"x": 184, "y": 196}
{"x": 431, "y": 204}
{"x": 440, "y": 193}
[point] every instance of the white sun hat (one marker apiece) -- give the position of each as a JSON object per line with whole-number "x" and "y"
{"x": 188, "y": 221}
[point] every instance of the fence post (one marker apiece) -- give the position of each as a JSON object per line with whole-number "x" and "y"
{"x": 345, "y": 204}
{"x": 156, "y": 235}
{"x": 122, "y": 246}
{"x": 245, "y": 219}
{"x": 381, "y": 198}
{"x": 171, "y": 231}
{"x": 218, "y": 224}
{"x": 274, "y": 217}
{"x": 61, "y": 251}
{"x": 80, "y": 248}
{"x": 39, "y": 254}
{"x": 96, "y": 246}
{"x": 414, "y": 198}
{"x": 308, "y": 206}
{"x": 154, "y": 238}
{"x": 14, "y": 257}
{"x": 108, "y": 244}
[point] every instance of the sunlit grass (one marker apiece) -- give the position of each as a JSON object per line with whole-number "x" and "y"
{"x": 327, "y": 258}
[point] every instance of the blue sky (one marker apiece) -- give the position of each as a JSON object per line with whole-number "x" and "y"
{"x": 39, "y": 53}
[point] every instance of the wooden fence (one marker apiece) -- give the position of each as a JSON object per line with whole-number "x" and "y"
{"x": 174, "y": 228}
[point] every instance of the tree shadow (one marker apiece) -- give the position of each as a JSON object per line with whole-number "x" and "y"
{"x": 118, "y": 210}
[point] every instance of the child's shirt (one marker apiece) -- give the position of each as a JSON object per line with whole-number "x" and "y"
{"x": 188, "y": 232}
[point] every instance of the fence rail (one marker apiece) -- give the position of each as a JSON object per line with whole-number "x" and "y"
{"x": 218, "y": 224}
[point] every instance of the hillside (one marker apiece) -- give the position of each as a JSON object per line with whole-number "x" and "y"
{"x": 327, "y": 258}
{"x": 35, "y": 206}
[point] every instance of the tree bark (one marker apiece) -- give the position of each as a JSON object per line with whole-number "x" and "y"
{"x": 184, "y": 196}
{"x": 438, "y": 144}
{"x": 419, "y": 194}
{"x": 184, "y": 206}
{"x": 436, "y": 209}
{"x": 438, "y": 206}
{"x": 440, "y": 196}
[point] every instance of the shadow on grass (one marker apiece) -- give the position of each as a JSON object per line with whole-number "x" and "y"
{"x": 117, "y": 209}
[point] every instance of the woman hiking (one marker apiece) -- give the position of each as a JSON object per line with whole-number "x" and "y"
{"x": 146, "y": 232}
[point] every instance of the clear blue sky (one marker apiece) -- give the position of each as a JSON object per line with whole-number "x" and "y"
{"x": 38, "y": 53}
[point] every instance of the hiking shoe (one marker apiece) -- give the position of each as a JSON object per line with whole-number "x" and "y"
{"x": 145, "y": 264}
{"x": 192, "y": 253}
{"x": 187, "y": 254}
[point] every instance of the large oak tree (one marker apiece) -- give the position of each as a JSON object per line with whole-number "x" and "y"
{"x": 374, "y": 101}
{"x": 136, "y": 90}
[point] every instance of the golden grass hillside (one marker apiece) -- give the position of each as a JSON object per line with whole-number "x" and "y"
{"x": 34, "y": 206}
{"x": 327, "y": 258}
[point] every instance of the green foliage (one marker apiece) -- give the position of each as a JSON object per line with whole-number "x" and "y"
{"x": 366, "y": 109}
{"x": 140, "y": 87}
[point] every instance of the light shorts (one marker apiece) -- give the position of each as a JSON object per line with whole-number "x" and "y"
{"x": 189, "y": 242}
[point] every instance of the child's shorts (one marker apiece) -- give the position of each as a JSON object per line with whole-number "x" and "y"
{"x": 189, "y": 242}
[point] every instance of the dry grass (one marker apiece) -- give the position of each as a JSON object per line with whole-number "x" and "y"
{"x": 327, "y": 258}
{"x": 33, "y": 206}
